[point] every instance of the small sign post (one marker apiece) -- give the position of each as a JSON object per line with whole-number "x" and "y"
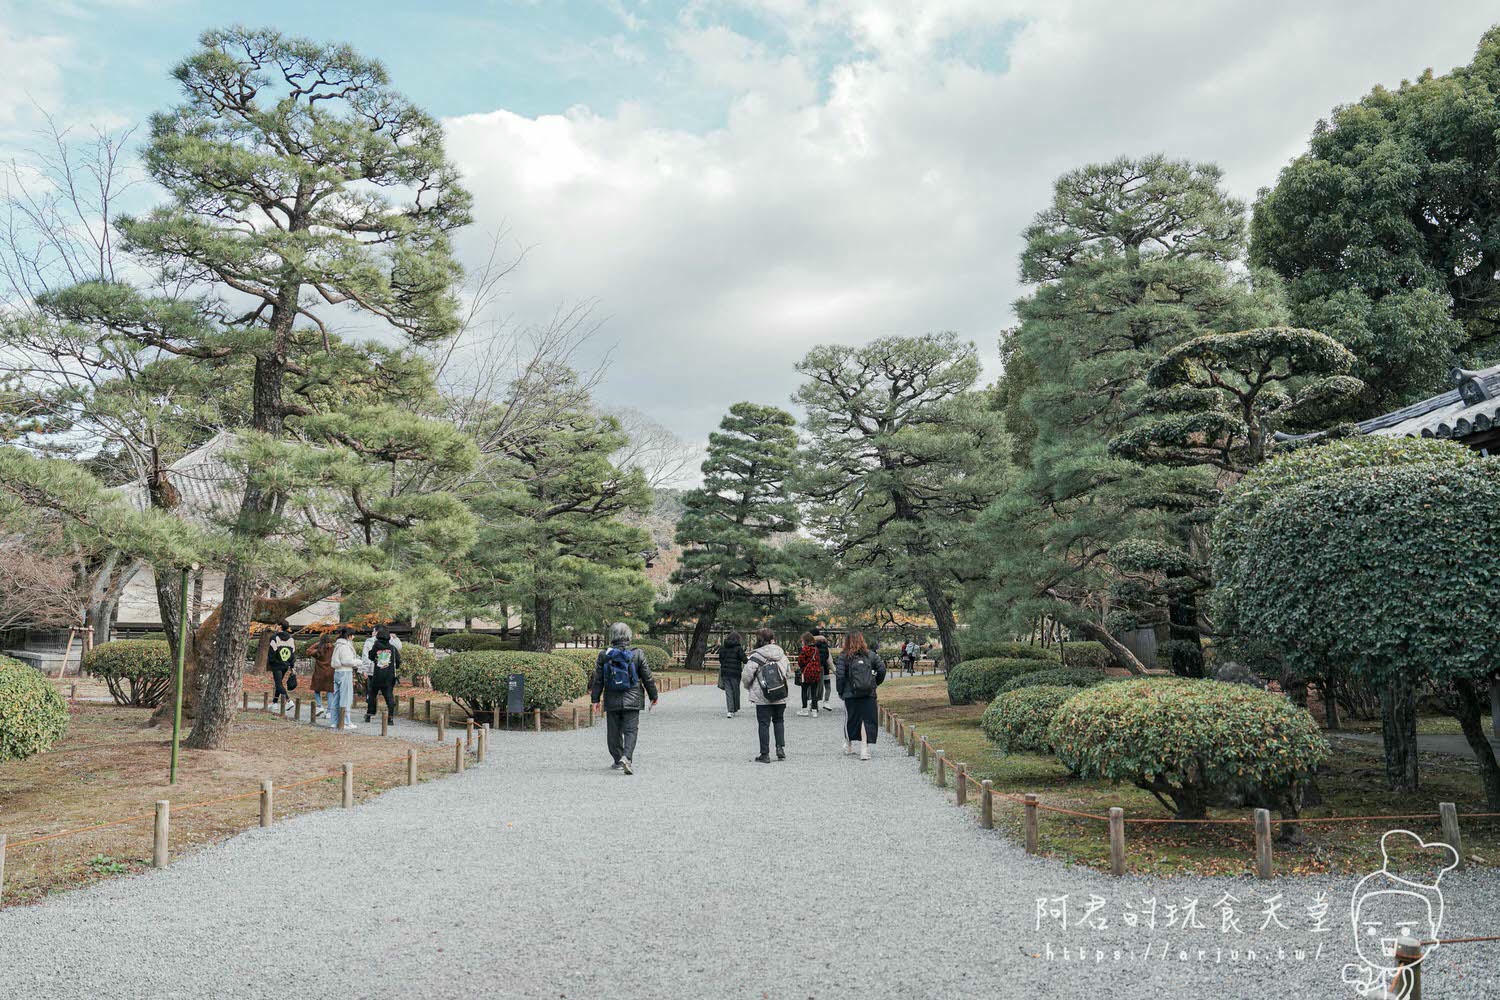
{"x": 515, "y": 698}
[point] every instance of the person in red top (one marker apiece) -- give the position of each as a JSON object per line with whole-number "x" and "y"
{"x": 809, "y": 674}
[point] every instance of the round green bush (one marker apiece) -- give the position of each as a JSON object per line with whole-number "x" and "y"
{"x": 1018, "y": 721}
{"x": 137, "y": 671}
{"x": 1191, "y": 743}
{"x": 981, "y": 649}
{"x": 464, "y": 641}
{"x": 585, "y": 658}
{"x": 479, "y": 679}
{"x": 1088, "y": 654}
{"x": 979, "y": 680}
{"x": 1056, "y": 677}
{"x": 658, "y": 656}
{"x": 417, "y": 661}
{"x": 33, "y": 716}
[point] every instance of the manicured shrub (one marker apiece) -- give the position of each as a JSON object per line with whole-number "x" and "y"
{"x": 979, "y": 680}
{"x": 1071, "y": 677}
{"x": 464, "y": 641}
{"x": 585, "y": 658}
{"x": 1088, "y": 654}
{"x": 417, "y": 661}
{"x": 137, "y": 671}
{"x": 1191, "y": 743}
{"x": 33, "y": 716}
{"x": 1019, "y": 721}
{"x": 982, "y": 649}
{"x": 479, "y": 679}
{"x": 658, "y": 656}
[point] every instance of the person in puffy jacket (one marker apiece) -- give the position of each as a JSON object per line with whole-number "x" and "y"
{"x": 809, "y": 674}
{"x": 825, "y": 660}
{"x": 281, "y": 659}
{"x": 621, "y": 705}
{"x": 859, "y": 670}
{"x": 321, "y": 653}
{"x": 768, "y": 660}
{"x": 732, "y": 659}
{"x": 345, "y": 661}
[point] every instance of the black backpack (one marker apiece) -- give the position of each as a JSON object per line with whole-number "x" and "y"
{"x": 772, "y": 679}
{"x": 860, "y": 676}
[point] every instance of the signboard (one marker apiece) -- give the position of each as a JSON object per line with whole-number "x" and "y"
{"x": 515, "y": 695}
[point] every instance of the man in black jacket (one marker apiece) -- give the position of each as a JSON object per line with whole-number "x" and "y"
{"x": 620, "y": 675}
{"x": 385, "y": 659}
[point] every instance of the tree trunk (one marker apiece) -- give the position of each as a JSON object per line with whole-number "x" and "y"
{"x": 698, "y": 645}
{"x": 421, "y": 632}
{"x": 541, "y": 626}
{"x": 941, "y": 607}
{"x": 1182, "y": 632}
{"x": 1468, "y": 707}
{"x": 197, "y": 618}
{"x": 1122, "y": 654}
{"x": 1329, "y": 690}
{"x": 1398, "y": 725}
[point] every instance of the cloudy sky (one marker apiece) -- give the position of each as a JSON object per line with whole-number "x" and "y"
{"x": 731, "y": 181}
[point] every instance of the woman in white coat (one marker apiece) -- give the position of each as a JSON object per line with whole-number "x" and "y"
{"x": 345, "y": 659}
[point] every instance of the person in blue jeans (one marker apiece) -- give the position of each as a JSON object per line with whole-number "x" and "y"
{"x": 345, "y": 660}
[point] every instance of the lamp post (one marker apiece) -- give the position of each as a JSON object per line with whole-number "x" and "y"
{"x": 182, "y": 631}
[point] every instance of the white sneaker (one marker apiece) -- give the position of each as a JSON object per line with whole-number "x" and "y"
{"x": 728, "y": 715}
{"x": 848, "y": 747}
{"x": 801, "y": 711}
{"x": 864, "y": 753}
{"x": 349, "y": 725}
{"x": 815, "y": 713}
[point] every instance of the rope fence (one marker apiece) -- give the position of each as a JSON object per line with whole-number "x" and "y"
{"x": 1261, "y": 821}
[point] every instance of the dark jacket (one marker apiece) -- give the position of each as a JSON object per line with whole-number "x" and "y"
{"x": 380, "y": 646}
{"x": 732, "y": 657}
{"x": 823, "y": 656}
{"x": 841, "y": 673}
{"x": 281, "y": 640}
{"x": 623, "y": 701}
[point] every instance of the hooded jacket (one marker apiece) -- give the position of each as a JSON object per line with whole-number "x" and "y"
{"x": 750, "y": 677}
{"x": 731, "y": 659}
{"x": 841, "y": 673}
{"x": 623, "y": 701}
{"x": 344, "y": 657}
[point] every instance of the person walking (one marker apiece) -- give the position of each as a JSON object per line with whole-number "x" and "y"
{"x": 909, "y": 656}
{"x": 825, "y": 662}
{"x": 809, "y": 674}
{"x": 622, "y": 682}
{"x": 374, "y": 637}
{"x": 281, "y": 657}
{"x": 384, "y": 657}
{"x": 859, "y": 672}
{"x": 732, "y": 658}
{"x": 766, "y": 677}
{"x": 321, "y": 653}
{"x": 345, "y": 661}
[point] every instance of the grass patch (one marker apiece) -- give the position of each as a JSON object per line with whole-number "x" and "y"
{"x": 1352, "y": 784}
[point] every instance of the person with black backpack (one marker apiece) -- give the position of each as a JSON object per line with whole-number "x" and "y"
{"x": 281, "y": 657}
{"x": 767, "y": 677}
{"x": 620, "y": 674}
{"x": 858, "y": 672}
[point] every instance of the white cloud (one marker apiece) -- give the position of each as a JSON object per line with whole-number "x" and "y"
{"x": 887, "y": 193}
{"x": 32, "y": 74}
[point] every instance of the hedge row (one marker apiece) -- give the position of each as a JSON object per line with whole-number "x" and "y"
{"x": 465, "y": 641}
{"x": 980, "y": 680}
{"x": 33, "y": 716}
{"x": 982, "y": 649}
{"x": 479, "y": 680}
{"x": 1071, "y": 677}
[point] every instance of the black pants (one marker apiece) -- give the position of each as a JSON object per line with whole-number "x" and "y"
{"x": 765, "y": 717}
{"x": 382, "y": 682}
{"x": 621, "y": 727}
{"x": 827, "y": 688}
{"x": 861, "y": 714}
{"x": 278, "y": 674}
{"x": 810, "y": 692}
{"x": 731, "y": 692}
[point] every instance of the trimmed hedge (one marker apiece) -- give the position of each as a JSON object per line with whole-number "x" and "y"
{"x": 1019, "y": 721}
{"x": 460, "y": 642}
{"x": 417, "y": 661}
{"x": 479, "y": 679}
{"x": 1071, "y": 677}
{"x": 980, "y": 680}
{"x": 658, "y": 656}
{"x": 585, "y": 658}
{"x": 1191, "y": 743}
{"x": 979, "y": 649}
{"x": 137, "y": 671}
{"x": 1087, "y": 654}
{"x": 33, "y": 716}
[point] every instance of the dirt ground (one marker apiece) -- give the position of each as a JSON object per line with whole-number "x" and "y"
{"x": 110, "y": 766}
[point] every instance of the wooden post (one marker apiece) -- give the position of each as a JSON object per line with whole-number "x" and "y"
{"x": 1030, "y": 803}
{"x": 484, "y": 738}
{"x": 575, "y": 716}
{"x": 265, "y": 701}
{"x": 411, "y": 707}
{"x": 245, "y": 701}
{"x": 911, "y": 742}
{"x": 442, "y": 727}
{"x": 1262, "y": 843}
{"x": 987, "y": 804}
{"x": 281, "y": 703}
{"x": 962, "y": 778}
{"x": 537, "y": 714}
{"x": 925, "y": 761}
{"x": 458, "y": 755}
{"x": 469, "y": 735}
{"x": 2, "y": 865}
{"x": 343, "y": 716}
{"x": 267, "y": 802}
{"x": 411, "y": 765}
{"x": 72, "y": 688}
{"x": 1407, "y": 982}
{"x": 159, "y": 834}
{"x": 1117, "y": 841}
{"x": 348, "y": 786}
{"x": 385, "y": 723}
{"x": 1448, "y": 812}
{"x": 428, "y": 703}
{"x": 942, "y": 769}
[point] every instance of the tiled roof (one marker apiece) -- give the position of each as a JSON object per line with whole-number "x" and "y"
{"x": 208, "y": 487}
{"x": 1472, "y": 407}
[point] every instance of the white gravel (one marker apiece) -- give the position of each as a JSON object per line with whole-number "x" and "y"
{"x": 545, "y": 874}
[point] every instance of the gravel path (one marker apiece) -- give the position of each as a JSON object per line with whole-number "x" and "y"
{"x": 545, "y": 874}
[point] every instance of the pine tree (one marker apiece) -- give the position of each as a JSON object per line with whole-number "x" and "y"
{"x": 727, "y": 524}
{"x": 902, "y": 454}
